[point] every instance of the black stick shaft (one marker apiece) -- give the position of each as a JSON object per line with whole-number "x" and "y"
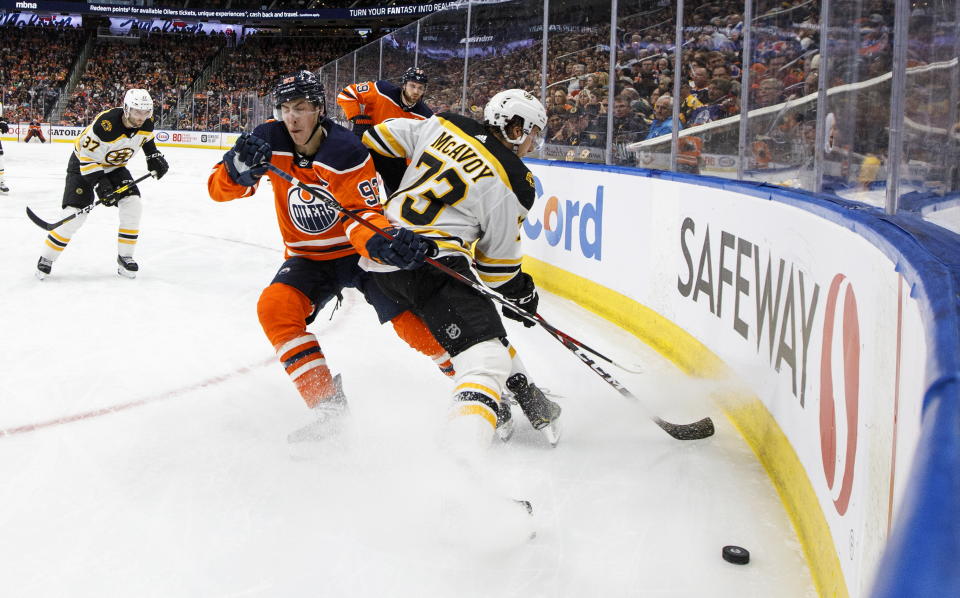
{"x": 52, "y": 225}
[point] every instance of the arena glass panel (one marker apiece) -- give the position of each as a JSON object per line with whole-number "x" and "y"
{"x": 782, "y": 99}
{"x": 505, "y": 52}
{"x": 344, "y": 70}
{"x": 329, "y": 81}
{"x": 578, "y": 64}
{"x": 368, "y": 63}
{"x": 644, "y": 71}
{"x": 441, "y": 55}
{"x": 399, "y": 53}
{"x": 255, "y": 110}
{"x": 931, "y": 146}
{"x": 860, "y": 52}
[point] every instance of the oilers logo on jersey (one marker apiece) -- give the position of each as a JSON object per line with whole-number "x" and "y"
{"x": 309, "y": 214}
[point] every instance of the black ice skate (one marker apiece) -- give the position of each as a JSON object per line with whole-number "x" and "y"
{"x": 128, "y": 267}
{"x": 541, "y": 411}
{"x": 331, "y": 414}
{"x": 3, "y": 186}
{"x": 504, "y": 420}
{"x": 43, "y": 268}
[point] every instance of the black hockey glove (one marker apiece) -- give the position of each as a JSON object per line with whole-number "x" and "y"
{"x": 522, "y": 292}
{"x": 157, "y": 164}
{"x": 4, "y": 127}
{"x": 244, "y": 159}
{"x": 105, "y": 190}
{"x": 407, "y": 250}
{"x": 361, "y": 124}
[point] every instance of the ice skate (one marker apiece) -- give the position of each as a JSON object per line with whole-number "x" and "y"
{"x": 44, "y": 266}
{"x": 504, "y": 420}
{"x": 330, "y": 415}
{"x": 543, "y": 413}
{"x": 127, "y": 266}
{"x": 3, "y": 186}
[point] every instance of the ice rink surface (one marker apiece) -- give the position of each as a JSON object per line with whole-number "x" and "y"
{"x": 143, "y": 434}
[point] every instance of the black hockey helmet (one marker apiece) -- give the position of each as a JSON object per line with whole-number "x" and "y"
{"x": 301, "y": 84}
{"x": 414, "y": 74}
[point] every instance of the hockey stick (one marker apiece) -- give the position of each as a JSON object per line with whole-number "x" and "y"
{"x": 693, "y": 431}
{"x": 52, "y": 225}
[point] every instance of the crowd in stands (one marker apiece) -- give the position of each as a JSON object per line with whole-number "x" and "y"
{"x": 211, "y": 83}
{"x": 172, "y": 67}
{"x": 166, "y": 65}
{"x": 232, "y": 94}
{"x": 34, "y": 65}
{"x": 784, "y": 67}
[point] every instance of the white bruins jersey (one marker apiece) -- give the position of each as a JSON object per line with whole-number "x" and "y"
{"x": 463, "y": 188}
{"x": 106, "y": 144}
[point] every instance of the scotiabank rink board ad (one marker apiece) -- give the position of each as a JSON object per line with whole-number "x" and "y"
{"x": 813, "y": 318}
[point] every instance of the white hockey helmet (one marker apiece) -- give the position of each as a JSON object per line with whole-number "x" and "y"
{"x": 507, "y": 104}
{"x": 137, "y": 99}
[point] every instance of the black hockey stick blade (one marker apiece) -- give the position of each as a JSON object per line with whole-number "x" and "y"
{"x": 696, "y": 431}
{"x": 43, "y": 223}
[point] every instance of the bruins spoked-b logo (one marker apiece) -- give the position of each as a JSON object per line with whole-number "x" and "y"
{"x": 107, "y": 125}
{"x": 308, "y": 213}
{"x": 118, "y": 157}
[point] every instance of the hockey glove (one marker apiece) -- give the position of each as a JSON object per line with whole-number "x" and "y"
{"x": 361, "y": 124}
{"x": 4, "y": 128}
{"x": 244, "y": 159}
{"x": 105, "y": 190}
{"x": 522, "y": 292}
{"x": 407, "y": 250}
{"x": 157, "y": 164}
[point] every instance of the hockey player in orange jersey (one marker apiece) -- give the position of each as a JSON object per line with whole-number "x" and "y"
{"x": 35, "y": 130}
{"x": 322, "y": 247}
{"x": 372, "y": 102}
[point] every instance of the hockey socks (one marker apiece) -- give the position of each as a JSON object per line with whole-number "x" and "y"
{"x": 416, "y": 334}
{"x": 283, "y": 311}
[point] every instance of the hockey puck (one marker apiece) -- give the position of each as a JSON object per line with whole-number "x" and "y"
{"x": 736, "y": 555}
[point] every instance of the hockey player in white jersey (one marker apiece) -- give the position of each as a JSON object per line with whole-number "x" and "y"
{"x": 467, "y": 190}
{"x": 98, "y": 166}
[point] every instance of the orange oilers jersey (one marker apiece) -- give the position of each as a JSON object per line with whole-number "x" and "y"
{"x": 380, "y": 100}
{"x": 341, "y": 168}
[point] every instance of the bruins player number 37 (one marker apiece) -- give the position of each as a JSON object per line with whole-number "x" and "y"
{"x": 98, "y": 169}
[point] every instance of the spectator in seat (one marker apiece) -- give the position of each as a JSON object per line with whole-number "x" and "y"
{"x": 559, "y": 103}
{"x": 769, "y": 92}
{"x": 662, "y": 118}
{"x": 627, "y": 128}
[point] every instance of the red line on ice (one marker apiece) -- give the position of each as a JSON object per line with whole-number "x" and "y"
{"x": 124, "y": 406}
